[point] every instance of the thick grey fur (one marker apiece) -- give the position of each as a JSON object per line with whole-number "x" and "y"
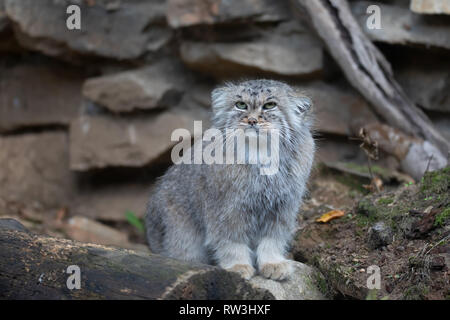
{"x": 230, "y": 214}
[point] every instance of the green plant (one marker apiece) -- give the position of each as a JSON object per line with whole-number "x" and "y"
{"x": 135, "y": 221}
{"x": 385, "y": 201}
{"x": 442, "y": 217}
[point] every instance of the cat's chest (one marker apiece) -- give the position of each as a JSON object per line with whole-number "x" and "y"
{"x": 266, "y": 190}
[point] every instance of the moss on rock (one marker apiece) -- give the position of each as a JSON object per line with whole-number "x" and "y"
{"x": 436, "y": 182}
{"x": 366, "y": 207}
{"x": 442, "y": 218}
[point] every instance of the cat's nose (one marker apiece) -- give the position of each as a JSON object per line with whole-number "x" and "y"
{"x": 252, "y": 121}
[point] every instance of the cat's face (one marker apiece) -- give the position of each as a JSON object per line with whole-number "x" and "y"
{"x": 260, "y": 105}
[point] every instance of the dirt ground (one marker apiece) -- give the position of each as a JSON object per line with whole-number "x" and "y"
{"x": 413, "y": 258}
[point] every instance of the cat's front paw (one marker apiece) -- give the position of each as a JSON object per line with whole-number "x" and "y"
{"x": 245, "y": 270}
{"x": 276, "y": 271}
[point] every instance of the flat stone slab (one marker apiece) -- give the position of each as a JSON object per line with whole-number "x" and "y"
{"x": 34, "y": 174}
{"x": 158, "y": 85}
{"x": 338, "y": 110}
{"x": 121, "y": 31}
{"x": 427, "y": 84}
{"x": 401, "y": 26}
{"x": 287, "y": 50}
{"x": 105, "y": 141}
{"x": 37, "y": 95}
{"x": 186, "y": 13}
{"x": 111, "y": 203}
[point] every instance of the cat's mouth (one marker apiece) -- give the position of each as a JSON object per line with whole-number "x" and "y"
{"x": 255, "y": 127}
{"x": 251, "y": 127}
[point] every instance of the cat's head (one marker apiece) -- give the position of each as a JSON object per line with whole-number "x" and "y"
{"x": 261, "y": 105}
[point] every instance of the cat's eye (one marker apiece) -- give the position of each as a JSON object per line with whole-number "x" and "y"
{"x": 269, "y": 105}
{"x": 241, "y": 105}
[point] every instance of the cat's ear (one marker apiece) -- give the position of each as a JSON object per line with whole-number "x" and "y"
{"x": 302, "y": 103}
{"x": 219, "y": 97}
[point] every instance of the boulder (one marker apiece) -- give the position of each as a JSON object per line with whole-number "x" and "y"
{"x": 430, "y": 6}
{"x": 33, "y": 173}
{"x": 185, "y": 13}
{"x": 302, "y": 285}
{"x": 401, "y": 26}
{"x": 336, "y": 148}
{"x": 12, "y": 224}
{"x": 288, "y": 50}
{"x": 427, "y": 85}
{"x": 339, "y": 109}
{"x": 87, "y": 230}
{"x": 379, "y": 235}
{"x": 102, "y": 27}
{"x": 104, "y": 141}
{"x": 159, "y": 85}
{"x": 38, "y": 95}
{"x": 111, "y": 202}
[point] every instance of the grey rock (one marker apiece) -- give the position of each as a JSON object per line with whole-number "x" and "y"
{"x": 335, "y": 148}
{"x": 88, "y": 230}
{"x": 401, "y": 26}
{"x": 422, "y": 156}
{"x": 110, "y": 203}
{"x": 185, "y": 13}
{"x": 12, "y": 224}
{"x": 158, "y": 85}
{"x": 353, "y": 112}
{"x": 300, "y": 286}
{"x": 406, "y": 225}
{"x": 427, "y": 85}
{"x": 104, "y": 141}
{"x": 35, "y": 170}
{"x": 122, "y": 33}
{"x": 36, "y": 95}
{"x": 288, "y": 50}
{"x": 379, "y": 235}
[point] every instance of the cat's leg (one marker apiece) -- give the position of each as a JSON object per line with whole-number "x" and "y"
{"x": 227, "y": 237}
{"x": 276, "y": 233}
{"x": 234, "y": 256}
{"x": 186, "y": 246}
{"x": 270, "y": 258}
{"x": 183, "y": 240}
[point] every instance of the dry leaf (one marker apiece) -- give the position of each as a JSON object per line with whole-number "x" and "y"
{"x": 370, "y": 147}
{"x": 376, "y": 185}
{"x": 330, "y": 216}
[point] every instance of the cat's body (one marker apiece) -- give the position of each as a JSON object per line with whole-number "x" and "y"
{"x": 231, "y": 214}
